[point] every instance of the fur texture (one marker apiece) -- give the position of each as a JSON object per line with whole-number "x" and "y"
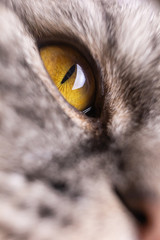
{"x": 63, "y": 174}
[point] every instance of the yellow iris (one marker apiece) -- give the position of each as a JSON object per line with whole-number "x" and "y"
{"x": 71, "y": 74}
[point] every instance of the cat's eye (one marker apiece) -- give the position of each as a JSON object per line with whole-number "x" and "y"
{"x": 71, "y": 73}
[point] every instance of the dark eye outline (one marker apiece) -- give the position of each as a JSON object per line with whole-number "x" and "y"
{"x": 93, "y": 111}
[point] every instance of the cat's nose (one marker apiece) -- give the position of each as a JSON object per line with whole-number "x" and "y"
{"x": 147, "y": 214}
{"x": 146, "y": 210}
{"x": 150, "y": 229}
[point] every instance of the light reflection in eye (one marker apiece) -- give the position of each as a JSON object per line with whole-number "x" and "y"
{"x": 80, "y": 78}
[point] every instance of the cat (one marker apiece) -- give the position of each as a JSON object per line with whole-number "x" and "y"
{"x": 65, "y": 174}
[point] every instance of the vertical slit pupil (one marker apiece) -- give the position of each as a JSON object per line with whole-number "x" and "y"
{"x": 69, "y": 74}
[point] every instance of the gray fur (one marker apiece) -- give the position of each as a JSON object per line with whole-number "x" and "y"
{"x": 63, "y": 174}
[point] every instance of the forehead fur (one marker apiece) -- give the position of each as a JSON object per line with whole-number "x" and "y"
{"x": 95, "y": 24}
